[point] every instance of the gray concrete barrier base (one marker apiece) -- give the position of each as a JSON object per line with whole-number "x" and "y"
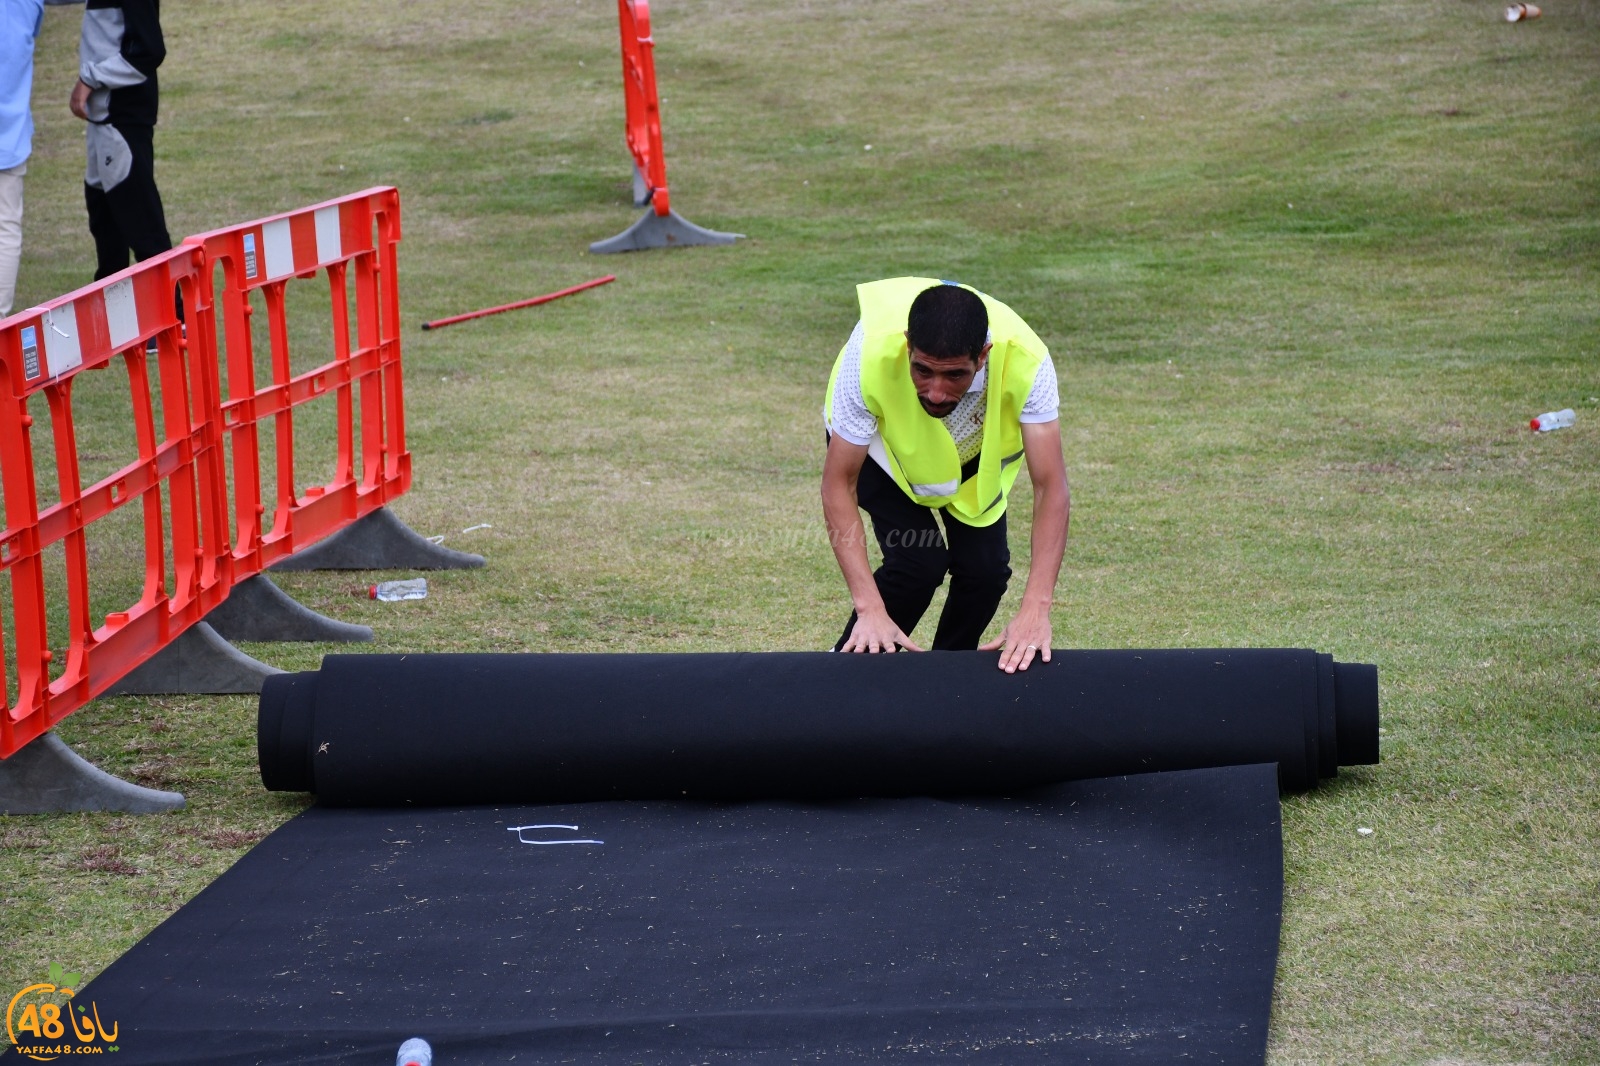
{"x": 47, "y": 777}
{"x": 378, "y": 541}
{"x": 198, "y": 662}
{"x": 257, "y": 609}
{"x": 671, "y": 230}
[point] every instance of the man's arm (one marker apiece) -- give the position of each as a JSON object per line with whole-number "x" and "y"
{"x": 1029, "y": 631}
{"x": 874, "y": 629}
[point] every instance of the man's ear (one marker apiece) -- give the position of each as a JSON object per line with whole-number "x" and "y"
{"x": 983, "y": 354}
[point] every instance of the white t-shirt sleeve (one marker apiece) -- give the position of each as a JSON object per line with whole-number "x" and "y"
{"x": 1044, "y": 400}
{"x": 851, "y": 419}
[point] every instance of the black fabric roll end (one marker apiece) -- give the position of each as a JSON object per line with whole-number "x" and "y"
{"x": 1356, "y": 692}
{"x": 284, "y": 718}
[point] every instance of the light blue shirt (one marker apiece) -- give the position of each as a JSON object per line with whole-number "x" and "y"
{"x": 19, "y": 25}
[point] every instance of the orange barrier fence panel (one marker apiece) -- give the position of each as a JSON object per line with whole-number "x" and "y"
{"x": 175, "y": 477}
{"x": 643, "y": 103}
{"x": 353, "y": 243}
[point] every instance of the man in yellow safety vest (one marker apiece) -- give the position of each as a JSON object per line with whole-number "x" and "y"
{"x": 936, "y": 397}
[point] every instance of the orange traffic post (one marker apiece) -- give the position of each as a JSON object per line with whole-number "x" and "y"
{"x": 660, "y": 227}
{"x": 642, "y": 105}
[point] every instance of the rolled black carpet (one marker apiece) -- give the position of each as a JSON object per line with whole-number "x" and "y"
{"x": 382, "y": 730}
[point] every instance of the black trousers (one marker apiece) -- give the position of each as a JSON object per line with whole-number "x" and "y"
{"x": 916, "y": 558}
{"x": 128, "y": 218}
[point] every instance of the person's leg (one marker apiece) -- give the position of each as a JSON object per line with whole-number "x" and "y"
{"x": 914, "y": 554}
{"x": 135, "y": 202}
{"x": 110, "y": 249}
{"x": 980, "y": 569}
{"x": 10, "y": 234}
{"x": 129, "y": 217}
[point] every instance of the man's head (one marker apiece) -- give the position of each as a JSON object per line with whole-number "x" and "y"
{"x": 947, "y": 331}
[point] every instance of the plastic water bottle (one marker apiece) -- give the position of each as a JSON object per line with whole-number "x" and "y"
{"x": 1554, "y": 420}
{"x": 415, "y": 588}
{"x": 414, "y": 1052}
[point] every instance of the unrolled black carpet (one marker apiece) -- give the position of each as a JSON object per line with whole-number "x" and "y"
{"x": 1125, "y": 920}
{"x": 756, "y": 859}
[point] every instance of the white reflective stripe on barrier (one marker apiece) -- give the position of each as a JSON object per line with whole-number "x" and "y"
{"x": 122, "y": 314}
{"x": 278, "y": 249}
{"x": 278, "y": 244}
{"x": 330, "y": 246}
{"x": 61, "y": 351}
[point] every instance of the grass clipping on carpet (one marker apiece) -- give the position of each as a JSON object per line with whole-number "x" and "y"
{"x": 1306, "y": 270}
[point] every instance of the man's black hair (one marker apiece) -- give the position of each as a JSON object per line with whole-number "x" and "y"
{"x": 946, "y": 321}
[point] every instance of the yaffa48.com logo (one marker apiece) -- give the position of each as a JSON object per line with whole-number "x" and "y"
{"x": 44, "y": 1021}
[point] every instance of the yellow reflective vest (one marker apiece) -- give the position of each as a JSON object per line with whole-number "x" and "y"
{"x": 922, "y": 455}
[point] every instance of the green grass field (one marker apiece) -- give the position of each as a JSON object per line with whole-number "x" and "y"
{"x": 1306, "y": 270}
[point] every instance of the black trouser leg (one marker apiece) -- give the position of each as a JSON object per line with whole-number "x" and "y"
{"x": 111, "y": 251}
{"x": 916, "y": 558}
{"x": 128, "y": 217}
{"x": 914, "y": 555}
{"x": 980, "y": 569}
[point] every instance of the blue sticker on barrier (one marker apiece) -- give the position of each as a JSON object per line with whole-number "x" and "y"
{"x": 30, "y": 352}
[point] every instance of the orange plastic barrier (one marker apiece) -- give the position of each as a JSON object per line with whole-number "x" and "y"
{"x": 643, "y": 104}
{"x": 353, "y": 237}
{"x": 177, "y": 476}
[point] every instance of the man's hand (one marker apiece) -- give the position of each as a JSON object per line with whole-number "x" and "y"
{"x": 1029, "y": 632}
{"x": 1027, "y": 635}
{"x": 79, "y": 101}
{"x": 875, "y": 631}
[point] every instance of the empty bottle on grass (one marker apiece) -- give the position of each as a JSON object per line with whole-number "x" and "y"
{"x": 415, "y": 588}
{"x": 1554, "y": 420}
